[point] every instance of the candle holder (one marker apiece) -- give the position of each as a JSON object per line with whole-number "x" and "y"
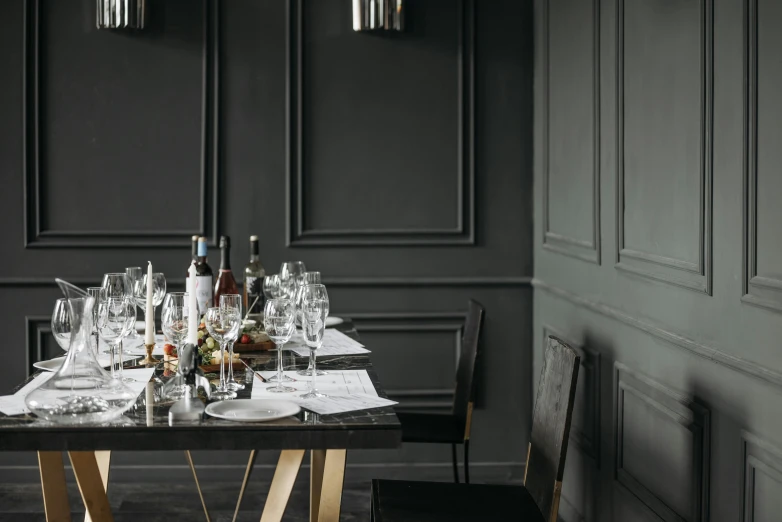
{"x": 149, "y": 359}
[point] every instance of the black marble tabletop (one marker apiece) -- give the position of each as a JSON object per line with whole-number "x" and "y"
{"x": 375, "y": 428}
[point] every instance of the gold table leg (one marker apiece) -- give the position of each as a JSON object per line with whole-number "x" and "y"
{"x": 317, "y": 461}
{"x": 103, "y": 458}
{"x": 282, "y": 484}
{"x": 55, "y": 491}
{"x": 331, "y": 490}
{"x": 247, "y": 472}
{"x": 198, "y": 486}
{"x": 88, "y": 477}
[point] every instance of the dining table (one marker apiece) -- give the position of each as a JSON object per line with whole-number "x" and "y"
{"x": 327, "y": 438}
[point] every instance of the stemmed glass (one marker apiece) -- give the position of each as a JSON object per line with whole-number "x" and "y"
{"x": 313, "y": 292}
{"x": 293, "y": 270}
{"x": 314, "y": 310}
{"x": 99, "y": 294}
{"x": 232, "y": 304}
{"x": 271, "y": 286}
{"x": 117, "y": 284}
{"x": 279, "y": 320}
{"x": 158, "y": 291}
{"x": 61, "y": 323}
{"x": 135, "y": 274}
{"x": 116, "y": 317}
{"x": 222, "y": 326}
{"x": 310, "y": 278}
{"x": 175, "y": 325}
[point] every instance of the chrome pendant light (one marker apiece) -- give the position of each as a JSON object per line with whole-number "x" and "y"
{"x": 121, "y": 14}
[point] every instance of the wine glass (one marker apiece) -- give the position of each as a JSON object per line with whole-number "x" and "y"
{"x": 312, "y": 292}
{"x": 271, "y": 286}
{"x": 222, "y": 326}
{"x": 117, "y": 284}
{"x": 278, "y": 319}
{"x": 314, "y": 309}
{"x": 158, "y": 291}
{"x": 99, "y": 294}
{"x": 293, "y": 269}
{"x": 174, "y": 322}
{"x": 116, "y": 317}
{"x": 232, "y": 304}
{"x": 309, "y": 278}
{"x": 134, "y": 274}
{"x": 61, "y": 323}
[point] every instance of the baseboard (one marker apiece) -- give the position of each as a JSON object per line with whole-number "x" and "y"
{"x": 494, "y": 472}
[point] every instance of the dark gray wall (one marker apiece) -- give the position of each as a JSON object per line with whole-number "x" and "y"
{"x": 398, "y": 166}
{"x": 657, "y": 252}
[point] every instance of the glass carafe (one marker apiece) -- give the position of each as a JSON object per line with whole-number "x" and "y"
{"x": 81, "y": 392}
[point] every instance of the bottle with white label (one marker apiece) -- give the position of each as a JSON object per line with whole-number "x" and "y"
{"x": 204, "y": 287}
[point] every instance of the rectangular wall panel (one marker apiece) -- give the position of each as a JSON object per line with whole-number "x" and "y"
{"x": 763, "y": 246}
{"x": 571, "y": 135}
{"x": 662, "y": 447}
{"x": 664, "y": 140}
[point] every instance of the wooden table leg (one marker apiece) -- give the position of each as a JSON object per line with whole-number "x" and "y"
{"x": 331, "y": 491}
{"x": 198, "y": 486}
{"x": 247, "y": 472}
{"x": 88, "y": 477}
{"x": 55, "y": 491}
{"x": 317, "y": 461}
{"x": 282, "y": 485}
{"x": 103, "y": 458}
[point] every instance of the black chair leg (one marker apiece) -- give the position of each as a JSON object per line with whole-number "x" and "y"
{"x": 467, "y": 461}
{"x": 455, "y": 464}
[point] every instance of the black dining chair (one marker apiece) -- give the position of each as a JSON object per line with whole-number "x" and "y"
{"x": 536, "y": 501}
{"x": 454, "y": 427}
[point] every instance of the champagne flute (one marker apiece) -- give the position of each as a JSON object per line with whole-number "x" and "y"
{"x": 232, "y": 304}
{"x": 278, "y": 319}
{"x": 313, "y": 291}
{"x": 135, "y": 274}
{"x": 116, "y": 316}
{"x": 174, "y": 322}
{"x": 99, "y": 294}
{"x": 313, "y": 322}
{"x": 222, "y": 326}
{"x": 61, "y": 323}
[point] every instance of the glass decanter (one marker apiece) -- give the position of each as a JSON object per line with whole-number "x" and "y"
{"x": 81, "y": 392}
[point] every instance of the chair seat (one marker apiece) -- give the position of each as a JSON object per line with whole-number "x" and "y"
{"x": 409, "y": 501}
{"x": 430, "y": 427}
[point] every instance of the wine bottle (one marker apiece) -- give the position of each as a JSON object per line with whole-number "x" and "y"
{"x": 193, "y": 259}
{"x": 204, "y": 288}
{"x": 226, "y": 284}
{"x": 253, "y": 281}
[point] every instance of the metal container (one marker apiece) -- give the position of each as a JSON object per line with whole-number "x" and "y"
{"x": 373, "y": 15}
{"x": 121, "y": 14}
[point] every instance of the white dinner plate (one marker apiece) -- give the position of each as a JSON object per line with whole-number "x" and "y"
{"x": 333, "y": 321}
{"x": 52, "y": 365}
{"x": 252, "y": 410}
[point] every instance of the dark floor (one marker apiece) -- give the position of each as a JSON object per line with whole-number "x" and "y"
{"x": 179, "y": 502}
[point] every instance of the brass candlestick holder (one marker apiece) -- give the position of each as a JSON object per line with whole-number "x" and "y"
{"x": 149, "y": 359}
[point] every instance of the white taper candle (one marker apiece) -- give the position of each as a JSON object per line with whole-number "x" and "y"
{"x": 149, "y": 336}
{"x": 192, "y": 306}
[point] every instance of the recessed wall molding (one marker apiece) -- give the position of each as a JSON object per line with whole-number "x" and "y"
{"x": 680, "y": 410}
{"x": 300, "y": 233}
{"x": 744, "y": 366}
{"x": 587, "y": 250}
{"x": 758, "y": 290}
{"x": 760, "y": 460}
{"x": 35, "y": 235}
{"x": 587, "y": 435}
{"x": 698, "y": 275}
{"x": 36, "y": 326}
{"x": 396, "y": 322}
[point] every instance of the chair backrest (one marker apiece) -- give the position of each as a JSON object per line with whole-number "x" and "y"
{"x": 465, "y": 373}
{"x": 551, "y": 426}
